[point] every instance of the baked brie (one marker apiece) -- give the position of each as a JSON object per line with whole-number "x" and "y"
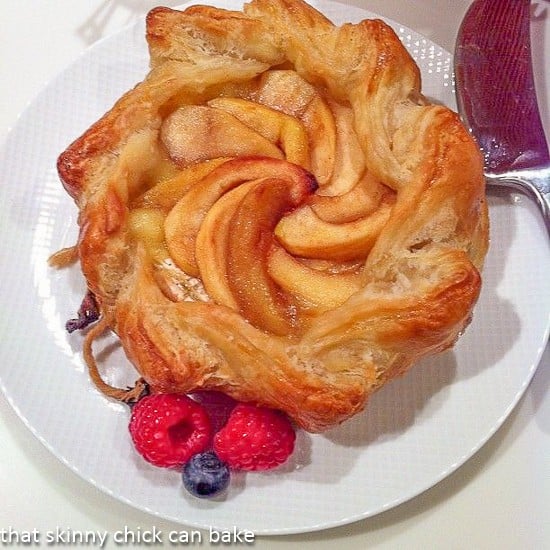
{"x": 276, "y": 212}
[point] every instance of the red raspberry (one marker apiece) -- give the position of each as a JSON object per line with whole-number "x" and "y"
{"x": 255, "y": 438}
{"x": 167, "y": 429}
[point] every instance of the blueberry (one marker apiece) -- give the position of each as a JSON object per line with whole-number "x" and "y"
{"x": 205, "y": 475}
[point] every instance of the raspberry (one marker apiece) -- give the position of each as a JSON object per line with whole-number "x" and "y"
{"x": 167, "y": 429}
{"x": 255, "y": 438}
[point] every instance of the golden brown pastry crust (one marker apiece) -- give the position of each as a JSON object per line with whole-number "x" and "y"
{"x": 403, "y": 275}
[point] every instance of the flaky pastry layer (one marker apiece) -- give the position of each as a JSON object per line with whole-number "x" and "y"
{"x": 276, "y": 212}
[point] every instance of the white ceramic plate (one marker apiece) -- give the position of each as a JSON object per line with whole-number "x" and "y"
{"x": 416, "y": 431}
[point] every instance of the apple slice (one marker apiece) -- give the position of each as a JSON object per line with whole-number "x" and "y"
{"x": 349, "y": 160}
{"x": 288, "y": 92}
{"x": 250, "y": 245}
{"x": 363, "y": 199}
{"x": 195, "y": 133}
{"x": 280, "y": 129}
{"x": 211, "y": 245}
{"x": 166, "y": 193}
{"x": 323, "y": 290}
{"x": 304, "y": 234}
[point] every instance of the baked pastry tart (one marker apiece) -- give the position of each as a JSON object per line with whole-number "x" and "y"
{"x": 276, "y": 212}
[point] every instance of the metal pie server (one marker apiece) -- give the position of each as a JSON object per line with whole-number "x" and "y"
{"x": 497, "y": 100}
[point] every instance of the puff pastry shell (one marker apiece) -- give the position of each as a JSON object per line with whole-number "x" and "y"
{"x": 276, "y": 211}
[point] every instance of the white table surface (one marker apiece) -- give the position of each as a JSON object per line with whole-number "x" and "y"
{"x": 498, "y": 499}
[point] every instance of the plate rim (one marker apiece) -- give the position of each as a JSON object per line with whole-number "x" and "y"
{"x": 282, "y": 531}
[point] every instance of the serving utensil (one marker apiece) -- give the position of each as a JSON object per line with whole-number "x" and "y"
{"x": 497, "y": 100}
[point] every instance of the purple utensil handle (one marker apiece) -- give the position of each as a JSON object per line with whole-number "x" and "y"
{"x": 497, "y": 97}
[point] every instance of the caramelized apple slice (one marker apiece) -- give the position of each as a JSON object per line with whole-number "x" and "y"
{"x": 289, "y": 93}
{"x": 305, "y": 234}
{"x": 363, "y": 199}
{"x": 279, "y": 128}
{"x": 168, "y": 192}
{"x": 195, "y": 133}
{"x": 184, "y": 220}
{"x": 322, "y": 289}
{"x": 349, "y": 160}
{"x": 212, "y": 242}
{"x": 251, "y": 243}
